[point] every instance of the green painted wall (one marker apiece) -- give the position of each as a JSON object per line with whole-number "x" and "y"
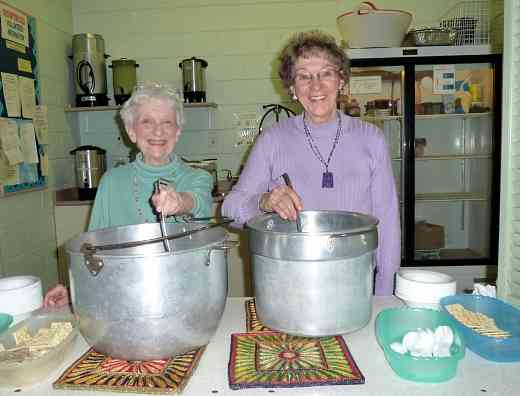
{"x": 27, "y": 234}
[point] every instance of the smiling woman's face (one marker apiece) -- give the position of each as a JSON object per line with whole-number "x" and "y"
{"x": 316, "y": 85}
{"x": 155, "y": 131}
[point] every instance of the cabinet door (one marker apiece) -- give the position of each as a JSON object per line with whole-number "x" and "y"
{"x": 454, "y": 142}
{"x": 376, "y": 95}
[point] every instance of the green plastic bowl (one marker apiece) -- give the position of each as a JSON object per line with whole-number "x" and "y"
{"x": 392, "y": 324}
{"x": 5, "y": 322}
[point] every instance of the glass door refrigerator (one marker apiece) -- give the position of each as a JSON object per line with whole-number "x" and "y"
{"x": 439, "y": 109}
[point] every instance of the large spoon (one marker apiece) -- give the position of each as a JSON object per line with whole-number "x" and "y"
{"x": 287, "y": 181}
{"x": 166, "y": 242}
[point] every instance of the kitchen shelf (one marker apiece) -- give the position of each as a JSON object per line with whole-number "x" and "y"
{"x": 460, "y": 196}
{"x": 384, "y": 118}
{"x": 452, "y": 157}
{"x": 453, "y": 115}
{"x": 112, "y": 108}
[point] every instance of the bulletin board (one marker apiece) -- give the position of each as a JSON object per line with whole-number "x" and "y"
{"x": 23, "y": 121}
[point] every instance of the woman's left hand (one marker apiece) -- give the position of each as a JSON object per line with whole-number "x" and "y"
{"x": 169, "y": 201}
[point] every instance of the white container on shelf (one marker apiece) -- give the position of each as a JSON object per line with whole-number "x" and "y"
{"x": 20, "y": 296}
{"x": 422, "y": 288}
{"x": 370, "y": 27}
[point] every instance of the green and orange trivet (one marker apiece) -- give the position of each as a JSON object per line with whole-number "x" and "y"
{"x": 95, "y": 371}
{"x": 266, "y": 358}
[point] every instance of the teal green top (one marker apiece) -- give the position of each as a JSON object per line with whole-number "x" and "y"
{"x": 123, "y": 195}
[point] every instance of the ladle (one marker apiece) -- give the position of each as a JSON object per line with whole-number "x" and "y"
{"x": 160, "y": 215}
{"x": 287, "y": 181}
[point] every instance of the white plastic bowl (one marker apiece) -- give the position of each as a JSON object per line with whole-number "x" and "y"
{"x": 20, "y": 296}
{"x": 422, "y": 288}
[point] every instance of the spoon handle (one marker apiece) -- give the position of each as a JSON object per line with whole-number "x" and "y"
{"x": 287, "y": 181}
{"x": 166, "y": 242}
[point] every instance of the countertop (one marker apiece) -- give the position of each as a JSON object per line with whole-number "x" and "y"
{"x": 70, "y": 196}
{"x": 475, "y": 376}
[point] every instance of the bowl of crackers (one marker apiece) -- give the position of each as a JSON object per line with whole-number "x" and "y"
{"x": 33, "y": 349}
{"x": 490, "y": 327}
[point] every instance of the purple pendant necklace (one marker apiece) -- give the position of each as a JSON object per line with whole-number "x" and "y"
{"x": 327, "y": 180}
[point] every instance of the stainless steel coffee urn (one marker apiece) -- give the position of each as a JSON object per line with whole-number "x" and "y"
{"x": 194, "y": 79}
{"x": 90, "y": 76}
{"x": 90, "y": 165}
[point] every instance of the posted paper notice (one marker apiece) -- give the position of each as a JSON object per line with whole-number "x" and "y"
{"x": 28, "y": 139}
{"x": 26, "y": 87}
{"x": 10, "y": 142}
{"x": 11, "y": 96}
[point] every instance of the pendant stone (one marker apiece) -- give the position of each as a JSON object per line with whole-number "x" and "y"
{"x": 328, "y": 180}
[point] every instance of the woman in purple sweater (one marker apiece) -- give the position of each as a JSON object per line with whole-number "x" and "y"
{"x": 335, "y": 162}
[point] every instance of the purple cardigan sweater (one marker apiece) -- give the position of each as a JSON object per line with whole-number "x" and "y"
{"x": 363, "y": 180}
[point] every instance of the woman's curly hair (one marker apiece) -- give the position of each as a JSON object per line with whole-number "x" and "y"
{"x": 311, "y": 43}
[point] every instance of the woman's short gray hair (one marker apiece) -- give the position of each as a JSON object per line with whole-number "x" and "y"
{"x": 311, "y": 43}
{"x": 151, "y": 90}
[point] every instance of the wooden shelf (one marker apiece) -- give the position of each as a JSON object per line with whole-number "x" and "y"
{"x": 71, "y": 109}
{"x": 462, "y": 196}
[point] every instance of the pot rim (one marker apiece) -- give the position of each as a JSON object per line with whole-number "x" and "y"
{"x": 371, "y": 226}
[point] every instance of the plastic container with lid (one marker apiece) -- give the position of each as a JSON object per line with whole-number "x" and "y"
{"x": 392, "y": 324}
{"x": 32, "y": 371}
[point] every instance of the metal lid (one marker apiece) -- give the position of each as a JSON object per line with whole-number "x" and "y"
{"x": 87, "y": 148}
{"x": 193, "y": 60}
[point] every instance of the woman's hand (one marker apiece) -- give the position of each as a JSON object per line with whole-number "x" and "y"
{"x": 56, "y": 297}
{"x": 282, "y": 200}
{"x": 169, "y": 201}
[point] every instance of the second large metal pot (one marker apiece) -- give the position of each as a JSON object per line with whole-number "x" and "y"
{"x": 317, "y": 282}
{"x": 143, "y": 303}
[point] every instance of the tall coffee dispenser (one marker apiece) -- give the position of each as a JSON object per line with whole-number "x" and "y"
{"x": 124, "y": 78}
{"x": 90, "y": 76}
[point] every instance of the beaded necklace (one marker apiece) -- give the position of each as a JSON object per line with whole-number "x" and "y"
{"x": 327, "y": 180}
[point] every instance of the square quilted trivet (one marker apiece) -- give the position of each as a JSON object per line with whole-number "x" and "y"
{"x": 271, "y": 359}
{"x": 97, "y": 372}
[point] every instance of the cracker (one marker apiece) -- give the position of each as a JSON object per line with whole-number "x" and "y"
{"x": 477, "y": 321}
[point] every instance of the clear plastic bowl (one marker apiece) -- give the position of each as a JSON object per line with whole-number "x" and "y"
{"x": 506, "y": 318}
{"x": 392, "y": 324}
{"x": 32, "y": 371}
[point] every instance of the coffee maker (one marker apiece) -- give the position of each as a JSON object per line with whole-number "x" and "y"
{"x": 90, "y": 76}
{"x": 194, "y": 79}
{"x": 124, "y": 78}
{"x": 90, "y": 164}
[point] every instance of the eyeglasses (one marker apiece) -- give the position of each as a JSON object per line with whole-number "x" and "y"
{"x": 326, "y": 75}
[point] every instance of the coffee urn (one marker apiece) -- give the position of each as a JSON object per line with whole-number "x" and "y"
{"x": 90, "y": 76}
{"x": 194, "y": 79}
{"x": 90, "y": 165}
{"x": 124, "y": 77}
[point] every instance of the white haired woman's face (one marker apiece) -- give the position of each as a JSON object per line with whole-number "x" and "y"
{"x": 155, "y": 131}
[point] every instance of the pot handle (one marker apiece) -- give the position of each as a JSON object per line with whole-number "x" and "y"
{"x": 95, "y": 264}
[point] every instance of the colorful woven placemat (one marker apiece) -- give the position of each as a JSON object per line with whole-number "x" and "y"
{"x": 95, "y": 371}
{"x": 274, "y": 360}
{"x": 269, "y": 359}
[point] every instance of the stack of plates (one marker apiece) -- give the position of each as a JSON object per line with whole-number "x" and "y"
{"x": 20, "y": 296}
{"x": 423, "y": 289}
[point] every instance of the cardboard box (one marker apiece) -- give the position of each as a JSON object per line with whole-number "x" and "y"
{"x": 428, "y": 236}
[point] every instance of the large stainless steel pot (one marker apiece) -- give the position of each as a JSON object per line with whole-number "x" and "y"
{"x": 317, "y": 282}
{"x": 142, "y": 303}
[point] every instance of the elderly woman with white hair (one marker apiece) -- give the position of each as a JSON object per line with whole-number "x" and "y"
{"x": 153, "y": 118}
